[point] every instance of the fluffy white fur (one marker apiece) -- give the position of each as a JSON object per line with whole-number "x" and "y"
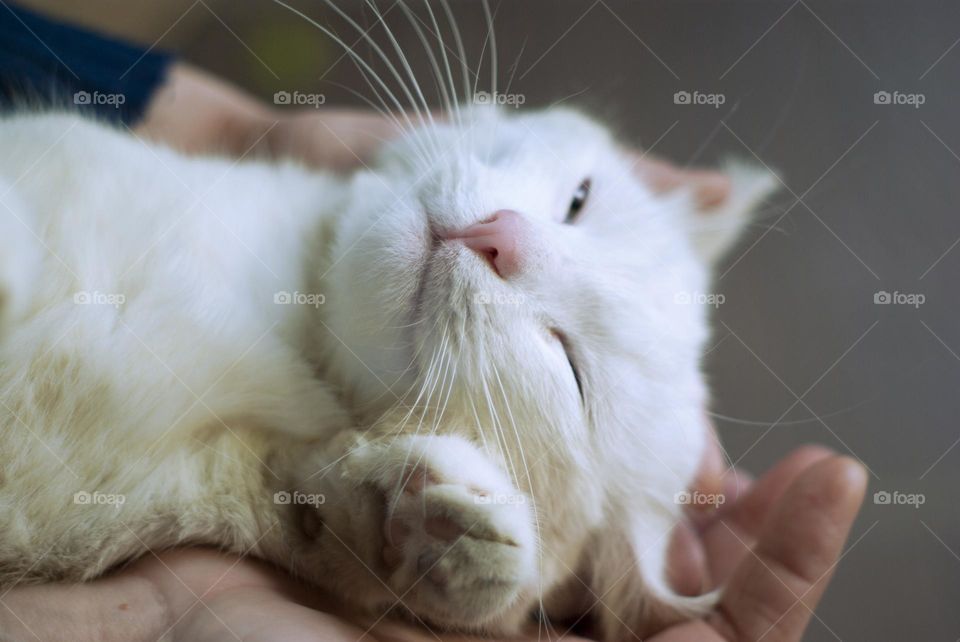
{"x": 143, "y": 355}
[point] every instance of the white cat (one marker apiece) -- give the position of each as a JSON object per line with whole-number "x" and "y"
{"x": 465, "y": 382}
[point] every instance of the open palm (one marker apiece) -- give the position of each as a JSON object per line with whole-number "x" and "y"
{"x": 774, "y": 547}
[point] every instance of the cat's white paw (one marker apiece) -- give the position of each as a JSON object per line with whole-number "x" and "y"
{"x": 458, "y": 539}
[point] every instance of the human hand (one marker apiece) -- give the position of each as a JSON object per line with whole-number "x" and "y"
{"x": 773, "y": 547}
{"x": 196, "y": 112}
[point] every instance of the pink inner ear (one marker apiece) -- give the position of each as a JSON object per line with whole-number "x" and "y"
{"x": 659, "y": 175}
{"x": 710, "y": 188}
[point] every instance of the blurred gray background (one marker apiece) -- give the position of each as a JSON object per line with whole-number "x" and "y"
{"x": 801, "y": 351}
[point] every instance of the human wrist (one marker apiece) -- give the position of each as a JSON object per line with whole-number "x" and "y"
{"x": 118, "y": 608}
{"x": 196, "y": 112}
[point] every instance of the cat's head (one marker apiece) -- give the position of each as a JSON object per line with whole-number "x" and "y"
{"x": 511, "y": 279}
{"x": 526, "y": 248}
{"x": 512, "y": 274}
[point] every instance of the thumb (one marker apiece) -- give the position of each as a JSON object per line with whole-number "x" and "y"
{"x": 774, "y": 591}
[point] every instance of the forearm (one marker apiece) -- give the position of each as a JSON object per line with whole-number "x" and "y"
{"x": 123, "y": 607}
{"x": 196, "y": 112}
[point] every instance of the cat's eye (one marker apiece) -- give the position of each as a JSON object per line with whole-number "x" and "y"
{"x": 578, "y": 201}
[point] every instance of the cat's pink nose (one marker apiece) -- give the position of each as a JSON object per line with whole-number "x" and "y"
{"x": 497, "y": 239}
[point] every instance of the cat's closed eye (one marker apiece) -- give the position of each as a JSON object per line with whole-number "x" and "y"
{"x": 578, "y": 201}
{"x": 564, "y": 343}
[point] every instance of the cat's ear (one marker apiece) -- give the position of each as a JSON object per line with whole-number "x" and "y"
{"x": 713, "y": 230}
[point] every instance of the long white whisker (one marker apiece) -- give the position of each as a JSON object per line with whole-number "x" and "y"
{"x": 404, "y": 478}
{"x": 480, "y": 430}
{"x": 406, "y": 65}
{"x": 410, "y": 365}
{"x": 493, "y": 47}
{"x": 437, "y": 74}
{"x": 516, "y": 64}
{"x": 379, "y": 50}
{"x": 425, "y": 380}
{"x": 428, "y": 380}
{"x": 490, "y": 39}
{"x": 422, "y": 158}
{"x": 358, "y": 60}
{"x": 458, "y": 40}
{"x": 499, "y": 433}
{"x": 453, "y": 103}
{"x": 533, "y": 497}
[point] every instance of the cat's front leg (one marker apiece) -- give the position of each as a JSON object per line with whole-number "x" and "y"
{"x": 423, "y": 523}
